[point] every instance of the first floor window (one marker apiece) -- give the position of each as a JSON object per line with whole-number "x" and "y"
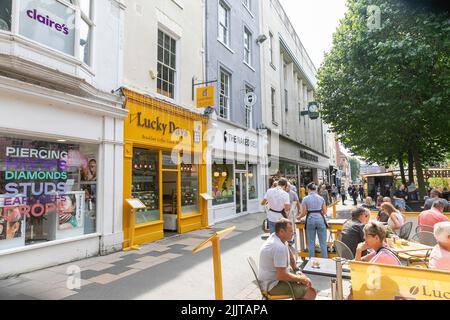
{"x": 224, "y": 94}
{"x": 5, "y": 15}
{"x": 247, "y": 47}
{"x": 167, "y": 50}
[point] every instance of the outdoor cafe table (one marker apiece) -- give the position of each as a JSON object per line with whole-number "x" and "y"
{"x": 327, "y": 268}
{"x": 413, "y": 249}
{"x": 336, "y": 227}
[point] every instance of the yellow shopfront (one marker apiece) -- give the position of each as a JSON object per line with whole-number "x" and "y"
{"x": 164, "y": 168}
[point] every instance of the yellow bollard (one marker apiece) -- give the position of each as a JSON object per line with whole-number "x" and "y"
{"x": 217, "y": 269}
{"x": 214, "y": 241}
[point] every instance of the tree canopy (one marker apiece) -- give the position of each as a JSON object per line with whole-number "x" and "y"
{"x": 385, "y": 90}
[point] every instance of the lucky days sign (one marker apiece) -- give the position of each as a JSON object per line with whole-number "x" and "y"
{"x": 48, "y": 22}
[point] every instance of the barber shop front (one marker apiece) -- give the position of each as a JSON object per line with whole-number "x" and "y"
{"x": 163, "y": 168}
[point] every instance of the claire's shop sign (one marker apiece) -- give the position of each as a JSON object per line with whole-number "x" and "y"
{"x": 49, "y": 22}
{"x": 46, "y": 20}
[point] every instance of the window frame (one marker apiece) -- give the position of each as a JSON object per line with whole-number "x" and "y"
{"x": 79, "y": 18}
{"x": 248, "y": 51}
{"x": 163, "y": 65}
{"x": 273, "y": 93}
{"x": 248, "y": 110}
{"x": 227, "y": 95}
{"x": 226, "y": 27}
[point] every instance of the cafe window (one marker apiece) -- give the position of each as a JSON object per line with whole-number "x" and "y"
{"x": 66, "y": 25}
{"x": 222, "y": 183}
{"x": 189, "y": 187}
{"x": 48, "y": 191}
{"x": 5, "y": 15}
{"x": 145, "y": 184}
{"x": 252, "y": 182}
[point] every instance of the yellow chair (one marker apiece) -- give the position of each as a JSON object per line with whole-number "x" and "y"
{"x": 265, "y": 295}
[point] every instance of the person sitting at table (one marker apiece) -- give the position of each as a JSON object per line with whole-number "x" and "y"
{"x": 383, "y": 217}
{"x": 353, "y": 232}
{"x": 368, "y": 204}
{"x": 440, "y": 256}
{"x": 435, "y": 215}
{"x": 375, "y": 235}
{"x": 396, "y": 219}
{"x": 274, "y": 262}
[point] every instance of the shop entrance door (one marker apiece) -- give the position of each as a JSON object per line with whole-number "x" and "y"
{"x": 170, "y": 201}
{"x": 241, "y": 192}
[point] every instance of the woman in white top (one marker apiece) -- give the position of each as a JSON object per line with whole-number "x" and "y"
{"x": 396, "y": 219}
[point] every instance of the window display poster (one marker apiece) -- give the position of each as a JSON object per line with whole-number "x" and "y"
{"x": 10, "y": 223}
{"x": 49, "y": 22}
{"x": 71, "y": 214}
{"x": 89, "y": 171}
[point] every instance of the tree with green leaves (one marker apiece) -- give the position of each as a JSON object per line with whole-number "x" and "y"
{"x": 355, "y": 168}
{"x": 385, "y": 89}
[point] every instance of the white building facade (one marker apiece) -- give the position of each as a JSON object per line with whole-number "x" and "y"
{"x": 296, "y": 142}
{"x": 61, "y": 132}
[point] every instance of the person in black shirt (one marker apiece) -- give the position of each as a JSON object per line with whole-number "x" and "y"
{"x": 400, "y": 197}
{"x": 353, "y": 232}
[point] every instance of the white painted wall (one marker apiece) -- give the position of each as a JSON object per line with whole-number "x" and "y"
{"x": 183, "y": 20}
{"x": 94, "y": 117}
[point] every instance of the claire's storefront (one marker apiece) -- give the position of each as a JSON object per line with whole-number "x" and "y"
{"x": 164, "y": 168}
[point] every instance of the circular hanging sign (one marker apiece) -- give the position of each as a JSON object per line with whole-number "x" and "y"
{"x": 313, "y": 109}
{"x": 250, "y": 99}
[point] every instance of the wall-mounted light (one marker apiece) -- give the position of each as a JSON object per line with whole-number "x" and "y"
{"x": 216, "y": 174}
{"x": 261, "y": 38}
{"x": 224, "y": 174}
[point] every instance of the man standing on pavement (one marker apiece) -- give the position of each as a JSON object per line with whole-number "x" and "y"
{"x": 279, "y": 203}
{"x": 274, "y": 263}
{"x": 294, "y": 197}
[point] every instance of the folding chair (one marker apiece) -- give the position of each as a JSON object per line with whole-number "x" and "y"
{"x": 265, "y": 295}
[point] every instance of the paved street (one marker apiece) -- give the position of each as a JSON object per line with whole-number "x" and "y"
{"x": 166, "y": 270}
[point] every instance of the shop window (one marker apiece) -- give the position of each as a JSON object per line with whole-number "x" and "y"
{"x": 48, "y": 191}
{"x": 5, "y": 15}
{"x": 145, "y": 185}
{"x": 170, "y": 160}
{"x": 252, "y": 182}
{"x": 189, "y": 187}
{"x": 222, "y": 183}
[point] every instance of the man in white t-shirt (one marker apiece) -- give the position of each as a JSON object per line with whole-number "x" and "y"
{"x": 279, "y": 203}
{"x": 274, "y": 262}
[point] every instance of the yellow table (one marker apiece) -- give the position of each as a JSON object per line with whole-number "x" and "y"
{"x": 336, "y": 227}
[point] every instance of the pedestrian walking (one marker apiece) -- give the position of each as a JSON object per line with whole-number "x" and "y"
{"x": 343, "y": 195}
{"x": 315, "y": 210}
{"x": 279, "y": 203}
{"x": 355, "y": 195}
{"x": 361, "y": 193}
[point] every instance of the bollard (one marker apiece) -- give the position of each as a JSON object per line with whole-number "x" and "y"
{"x": 339, "y": 285}
{"x": 333, "y": 289}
